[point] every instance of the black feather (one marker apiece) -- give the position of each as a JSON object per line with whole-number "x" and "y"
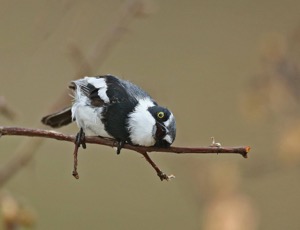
{"x": 115, "y": 114}
{"x": 58, "y": 119}
{"x": 156, "y": 109}
{"x": 91, "y": 92}
{"x": 94, "y": 96}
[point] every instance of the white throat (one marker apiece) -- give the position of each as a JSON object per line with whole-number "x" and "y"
{"x": 141, "y": 124}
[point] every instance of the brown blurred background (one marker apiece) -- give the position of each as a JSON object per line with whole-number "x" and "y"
{"x": 227, "y": 69}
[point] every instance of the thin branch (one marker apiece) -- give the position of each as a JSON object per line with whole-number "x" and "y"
{"x": 160, "y": 174}
{"x": 19, "y": 131}
{"x": 75, "y": 154}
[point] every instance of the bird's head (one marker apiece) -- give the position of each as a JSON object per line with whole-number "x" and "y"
{"x": 164, "y": 130}
{"x": 151, "y": 125}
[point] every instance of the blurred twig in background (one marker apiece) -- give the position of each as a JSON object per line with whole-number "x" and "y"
{"x": 227, "y": 207}
{"x": 274, "y": 93}
{"x": 14, "y": 214}
{"x": 6, "y": 110}
{"x": 129, "y": 11}
{"x": 275, "y": 89}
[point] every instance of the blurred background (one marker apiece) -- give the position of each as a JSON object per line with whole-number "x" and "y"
{"x": 228, "y": 69}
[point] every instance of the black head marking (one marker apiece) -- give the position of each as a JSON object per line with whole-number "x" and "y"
{"x": 162, "y": 143}
{"x": 159, "y": 113}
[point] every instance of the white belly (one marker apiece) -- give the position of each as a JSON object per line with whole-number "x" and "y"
{"x": 89, "y": 119}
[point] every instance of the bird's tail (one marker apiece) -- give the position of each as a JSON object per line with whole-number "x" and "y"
{"x": 58, "y": 119}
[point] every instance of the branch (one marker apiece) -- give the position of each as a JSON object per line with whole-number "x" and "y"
{"x": 18, "y": 131}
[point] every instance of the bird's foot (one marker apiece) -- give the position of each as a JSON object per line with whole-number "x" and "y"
{"x": 120, "y": 145}
{"x": 80, "y": 139}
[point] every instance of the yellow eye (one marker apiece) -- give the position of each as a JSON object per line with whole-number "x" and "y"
{"x": 160, "y": 115}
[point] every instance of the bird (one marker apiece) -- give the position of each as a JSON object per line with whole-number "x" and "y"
{"x": 110, "y": 107}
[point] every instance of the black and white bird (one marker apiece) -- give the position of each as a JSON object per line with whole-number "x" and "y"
{"x": 107, "y": 106}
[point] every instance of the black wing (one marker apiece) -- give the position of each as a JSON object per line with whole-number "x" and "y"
{"x": 122, "y": 103}
{"x": 117, "y": 92}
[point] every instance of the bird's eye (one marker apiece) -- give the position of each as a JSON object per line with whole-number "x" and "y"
{"x": 160, "y": 115}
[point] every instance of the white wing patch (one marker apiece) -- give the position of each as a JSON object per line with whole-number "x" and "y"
{"x": 99, "y": 83}
{"x": 141, "y": 124}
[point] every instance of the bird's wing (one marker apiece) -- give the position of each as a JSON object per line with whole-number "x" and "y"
{"x": 92, "y": 88}
{"x": 118, "y": 91}
{"x": 103, "y": 90}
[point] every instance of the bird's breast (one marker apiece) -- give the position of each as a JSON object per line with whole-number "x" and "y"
{"x": 141, "y": 124}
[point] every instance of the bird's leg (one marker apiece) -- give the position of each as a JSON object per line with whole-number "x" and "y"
{"x": 162, "y": 176}
{"x": 120, "y": 146}
{"x": 79, "y": 140}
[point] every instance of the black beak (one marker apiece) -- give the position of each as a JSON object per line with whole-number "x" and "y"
{"x": 161, "y": 132}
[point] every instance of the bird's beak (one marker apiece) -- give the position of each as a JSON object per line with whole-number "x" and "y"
{"x": 161, "y": 136}
{"x": 161, "y": 131}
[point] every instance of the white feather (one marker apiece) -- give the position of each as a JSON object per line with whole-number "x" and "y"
{"x": 88, "y": 118}
{"x": 168, "y": 138}
{"x": 101, "y": 84}
{"x": 168, "y": 122}
{"x": 141, "y": 124}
